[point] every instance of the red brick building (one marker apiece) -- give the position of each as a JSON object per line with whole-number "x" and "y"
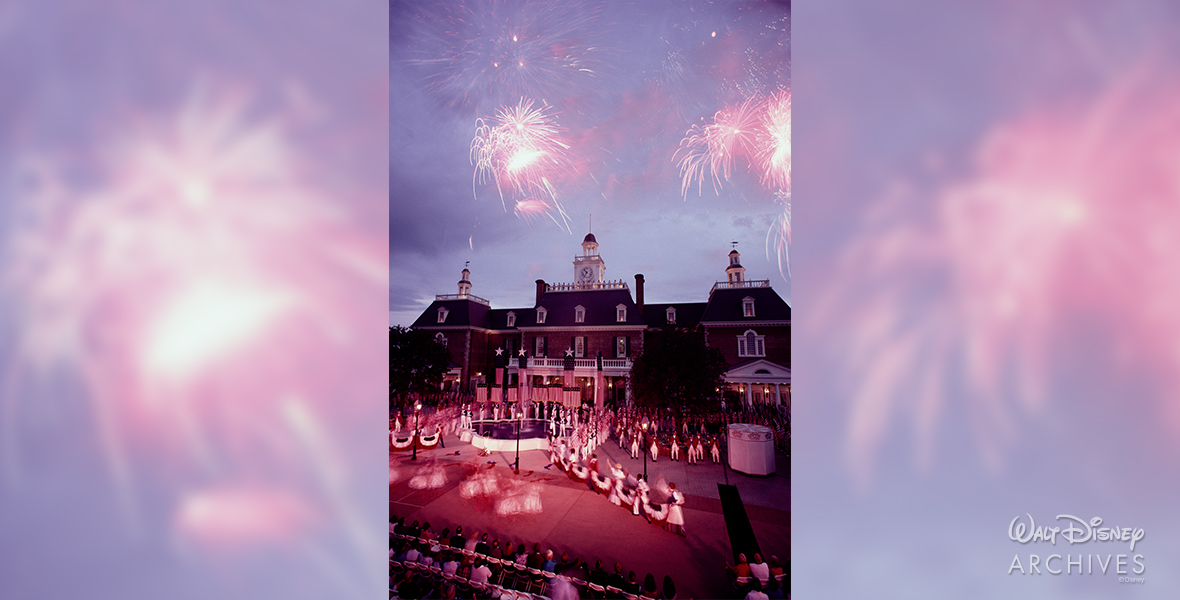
{"x": 594, "y": 317}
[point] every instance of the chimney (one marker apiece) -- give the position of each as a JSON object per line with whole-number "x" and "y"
{"x": 540, "y": 290}
{"x": 639, "y": 293}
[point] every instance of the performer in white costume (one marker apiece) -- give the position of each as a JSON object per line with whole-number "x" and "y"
{"x": 675, "y": 513}
{"x": 655, "y": 450}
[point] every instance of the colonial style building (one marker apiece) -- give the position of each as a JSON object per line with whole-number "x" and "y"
{"x": 596, "y": 323}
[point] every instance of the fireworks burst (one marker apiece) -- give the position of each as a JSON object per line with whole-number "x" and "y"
{"x": 774, "y": 152}
{"x": 1069, "y": 224}
{"x": 155, "y": 285}
{"x": 521, "y": 152}
{"x": 710, "y": 151}
{"x": 759, "y": 131}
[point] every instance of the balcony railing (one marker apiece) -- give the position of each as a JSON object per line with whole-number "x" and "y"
{"x": 580, "y": 364}
{"x": 463, "y": 297}
{"x": 732, "y": 285}
{"x": 577, "y": 287}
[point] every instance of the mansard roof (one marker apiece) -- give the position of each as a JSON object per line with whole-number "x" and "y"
{"x": 725, "y": 305}
{"x": 600, "y": 308}
{"x": 688, "y": 314}
{"x": 460, "y": 313}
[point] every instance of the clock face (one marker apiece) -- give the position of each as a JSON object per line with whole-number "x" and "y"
{"x": 587, "y": 272}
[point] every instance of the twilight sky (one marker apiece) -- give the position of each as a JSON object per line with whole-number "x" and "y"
{"x": 622, "y": 83}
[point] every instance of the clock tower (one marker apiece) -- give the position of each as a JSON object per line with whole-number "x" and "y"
{"x": 588, "y": 268}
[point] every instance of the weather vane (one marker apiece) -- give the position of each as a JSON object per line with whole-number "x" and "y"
{"x": 733, "y": 245}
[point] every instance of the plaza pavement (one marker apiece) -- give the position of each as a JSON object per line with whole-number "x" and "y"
{"x": 586, "y": 525}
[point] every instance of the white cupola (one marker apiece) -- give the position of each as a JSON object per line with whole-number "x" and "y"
{"x": 465, "y": 283}
{"x": 735, "y": 272}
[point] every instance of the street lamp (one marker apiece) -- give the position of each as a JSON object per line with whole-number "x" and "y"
{"x": 417, "y": 412}
{"x": 643, "y": 450}
{"x": 516, "y": 469}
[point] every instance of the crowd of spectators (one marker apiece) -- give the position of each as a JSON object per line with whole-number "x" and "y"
{"x": 447, "y": 565}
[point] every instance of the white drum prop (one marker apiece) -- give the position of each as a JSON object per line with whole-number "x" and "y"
{"x": 751, "y": 449}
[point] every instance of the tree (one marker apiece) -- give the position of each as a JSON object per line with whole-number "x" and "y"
{"x": 677, "y": 370}
{"x": 417, "y": 363}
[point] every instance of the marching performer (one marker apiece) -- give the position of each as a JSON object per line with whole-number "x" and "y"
{"x": 641, "y": 489}
{"x": 675, "y": 514}
{"x": 655, "y": 450}
{"x": 716, "y": 453}
{"x": 675, "y": 449}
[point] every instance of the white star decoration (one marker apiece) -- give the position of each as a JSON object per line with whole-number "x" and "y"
{"x": 499, "y": 351}
{"x": 569, "y": 352}
{"x": 521, "y": 352}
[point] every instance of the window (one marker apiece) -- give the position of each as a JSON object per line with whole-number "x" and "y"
{"x": 440, "y": 339}
{"x": 539, "y": 347}
{"x": 748, "y": 306}
{"x": 751, "y": 344}
{"x": 579, "y": 314}
{"x": 580, "y": 346}
{"x": 541, "y": 313}
{"x": 621, "y": 313}
{"x": 622, "y": 346}
{"x": 512, "y": 319}
{"x": 442, "y": 315}
{"x": 671, "y": 312}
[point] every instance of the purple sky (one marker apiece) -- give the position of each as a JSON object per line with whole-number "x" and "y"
{"x": 625, "y": 80}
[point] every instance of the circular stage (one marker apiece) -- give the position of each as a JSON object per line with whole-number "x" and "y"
{"x": 500, "y": 436}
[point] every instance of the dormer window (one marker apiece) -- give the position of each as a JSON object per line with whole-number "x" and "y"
{"x": 439, "y": 338}
{"x": 442, "y": 315}
{"x": 621, "y": 313}
{"x": 579, "y": 314}
{"x": 541, "y": 314}
{"x": 747, "y": 306}
{"x": 512, "y": 319}
{"x": 751, "y": 344}
{"x": 671, "y": 314}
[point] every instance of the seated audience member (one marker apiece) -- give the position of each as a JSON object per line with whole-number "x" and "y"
{"x": 415, "y": 530}
{"x": 506, "y": 551}
{"x": 616, "y": 579}
{"x": 482, "y": 546}
{"x": 481, "y": 572}
{"x": 774, "y": 590}
{"x": 668, "y": 590}
{"x": 413, "y": 555}
{"x": 756, "y": 591}
{"x": 775, "y": 568}
{"x": 522, "y": 555}
{"x": 759, "y": 569}
{"x": 649, "y": 587}
{"x": 427, "y": 533}
{"x": 550, "y": 565}
{"x": 742, "y": 569}
{"x": 450, "y": 566}
{"x": 632, "y": 585}
{"x": 444, "y": 539}
{"x": 535, "y": 558}
{"x": 457, "y": 540}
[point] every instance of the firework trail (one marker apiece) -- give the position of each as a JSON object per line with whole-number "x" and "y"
{"x": 481, "y": 54}
{"x": 711, "y": 151}
{"x": 156, "y": 285}
{"x": 758, "y": 131}
{"x": 1068, "y": 224}
{"x": 521, "y": 152}
{"x": 774, "y": 144}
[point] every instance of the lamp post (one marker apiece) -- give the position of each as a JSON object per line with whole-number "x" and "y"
{"x": 643, "y": 450}
{"x": 417, "y": 412}
{"x": 725, "y": 432}
{"x": 516, "y": 469}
